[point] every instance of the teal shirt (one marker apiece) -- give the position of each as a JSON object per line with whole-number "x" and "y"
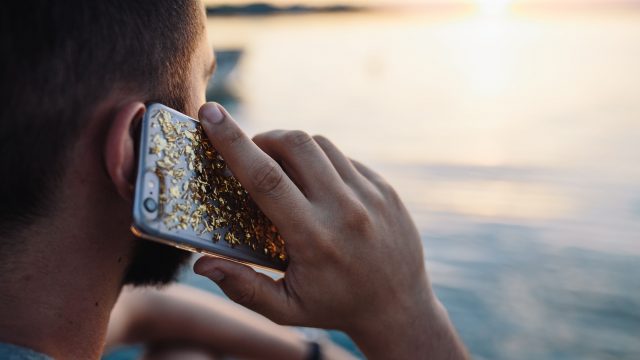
{"x": 14, "y": 352}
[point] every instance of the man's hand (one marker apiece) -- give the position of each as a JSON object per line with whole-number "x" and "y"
{"x": 356, "y": 261}
{"x": 178, "y": 320}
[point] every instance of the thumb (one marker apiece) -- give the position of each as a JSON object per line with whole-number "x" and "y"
{"x": 249, "y": 288}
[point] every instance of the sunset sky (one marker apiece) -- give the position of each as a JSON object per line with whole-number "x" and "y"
{"x": 421, "y": 2}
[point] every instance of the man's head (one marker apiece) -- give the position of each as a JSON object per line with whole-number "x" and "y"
{"x": 75, "y": 78}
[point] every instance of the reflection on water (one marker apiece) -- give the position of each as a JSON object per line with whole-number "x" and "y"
{"x": 514, "y": 141}
{"x": 551, "y": 281}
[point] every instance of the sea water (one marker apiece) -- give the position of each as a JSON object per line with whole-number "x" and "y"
{"x": 514, "y": 139}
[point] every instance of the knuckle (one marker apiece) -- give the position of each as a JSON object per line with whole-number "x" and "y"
{"x": 357, "y": 217}
{"x": 393, "y": 194}
{"x": 324, "y": 245}
{"x": 268, "y": 136}
{"x": 296, "y": 138}
{"x": 359, "y": 222}
{"x": 377, "y": 199}
{"x": 330, "y": 253}
{"x": 388, "y": 192}
{"x": 384, "y": 197}
{"x": 385, "y": 201}
{"x": 321, "y": 139}
{"x": 268, "y": 178}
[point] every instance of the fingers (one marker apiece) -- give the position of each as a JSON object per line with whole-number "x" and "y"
{"x": 304, "y": 160}
{"x": 253, "y": 290}
{"x": 371, "y": 175}
{"x": 261, "y": 175}
{"x": 341, "y": 163}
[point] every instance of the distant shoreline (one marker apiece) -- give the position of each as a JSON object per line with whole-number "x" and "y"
{"x": 261, "y": 9}
{"x": 267, "y": 9}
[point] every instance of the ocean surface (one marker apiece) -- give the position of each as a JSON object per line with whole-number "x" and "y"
{"x": 514, "y": 139}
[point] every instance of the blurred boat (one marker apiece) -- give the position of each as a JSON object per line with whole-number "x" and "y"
{"x": 265, "y": 9}
{"x": 221, "y": 86}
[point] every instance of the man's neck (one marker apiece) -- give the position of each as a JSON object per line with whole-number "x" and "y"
{"x": 56, "y": 292}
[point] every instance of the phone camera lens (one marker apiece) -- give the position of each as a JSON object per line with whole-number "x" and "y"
{"x": 150, "y": 205}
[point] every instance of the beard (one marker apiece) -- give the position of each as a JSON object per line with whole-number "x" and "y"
{"x": 154, "y": 264}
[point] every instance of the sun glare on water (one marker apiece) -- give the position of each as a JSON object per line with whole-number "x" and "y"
{"x": 493, "y": 7}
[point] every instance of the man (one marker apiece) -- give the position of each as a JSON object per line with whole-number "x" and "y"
{"x": 75, "y": 78}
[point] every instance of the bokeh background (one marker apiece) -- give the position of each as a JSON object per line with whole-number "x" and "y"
{"x": 510, "y": 128}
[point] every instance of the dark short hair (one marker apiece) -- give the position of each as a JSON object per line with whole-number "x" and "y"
{"x": 59, "y": 60}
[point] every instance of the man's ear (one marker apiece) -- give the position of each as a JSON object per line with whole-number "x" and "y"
{"x": 119, "y": 151}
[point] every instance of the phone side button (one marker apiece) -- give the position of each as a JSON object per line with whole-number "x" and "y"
{"x": 184, "y": 247}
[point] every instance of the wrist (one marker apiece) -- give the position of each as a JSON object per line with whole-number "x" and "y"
{"x": 413, "y": 326}
{"x": 397, "y": 307}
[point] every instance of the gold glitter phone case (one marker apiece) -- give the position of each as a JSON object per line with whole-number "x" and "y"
{"x": 186, "y": 197}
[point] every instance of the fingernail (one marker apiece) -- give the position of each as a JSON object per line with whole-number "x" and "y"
{"x": 215, "y": 275}
{"x": 211, "y": 113}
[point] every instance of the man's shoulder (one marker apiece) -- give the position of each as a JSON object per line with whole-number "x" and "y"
{"x": 14, "y": 352}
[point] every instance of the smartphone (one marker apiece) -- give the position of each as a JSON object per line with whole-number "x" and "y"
{"x": 186, "y": 197}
